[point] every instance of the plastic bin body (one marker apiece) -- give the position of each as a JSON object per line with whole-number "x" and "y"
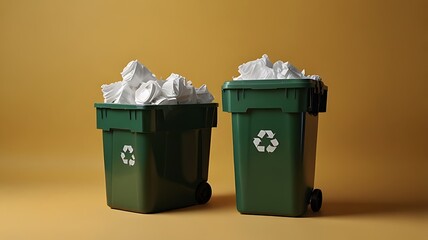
{"x": 155, "y": 156}
{"x": 274, "y": 126}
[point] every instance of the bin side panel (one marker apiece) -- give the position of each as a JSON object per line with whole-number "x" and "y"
{"x": 309, "y": 155}
{"x": 178, "y": 177}
{"x": 204, "y": 153}
{"x": 269, "y": 181}
{"x": 182, "y": 163}
{"x": 133, "y": 180}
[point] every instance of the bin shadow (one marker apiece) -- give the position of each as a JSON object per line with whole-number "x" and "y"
{"x": 223, "y": 201}
{"x": 344, "y": 208}
{"x": 217, "y": 202}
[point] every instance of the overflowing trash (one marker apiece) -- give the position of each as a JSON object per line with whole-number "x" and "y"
{"x": 263, "y": 68}
{"x": 140, "y": 86}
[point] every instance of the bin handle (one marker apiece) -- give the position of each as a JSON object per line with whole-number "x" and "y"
{"x": 315, "y": 97}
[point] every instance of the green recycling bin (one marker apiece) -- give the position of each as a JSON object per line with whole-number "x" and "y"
{"x": 274, "y": 125}
{"x": 156, "y": 156}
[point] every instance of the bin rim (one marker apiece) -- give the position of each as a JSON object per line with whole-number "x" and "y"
{"x": 271, "y": 84}
{"x": 151, "y": 107}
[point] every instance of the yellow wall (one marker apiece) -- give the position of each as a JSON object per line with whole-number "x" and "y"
{"x": 55, "y": 55}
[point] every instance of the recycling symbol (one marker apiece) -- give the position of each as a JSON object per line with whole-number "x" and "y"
{"x": 269, "y": 135}
{"x": 130, "y": 160}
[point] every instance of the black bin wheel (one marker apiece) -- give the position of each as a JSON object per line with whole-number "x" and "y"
{"x": 316, "y": 200}
{"x": 203, "y": 193}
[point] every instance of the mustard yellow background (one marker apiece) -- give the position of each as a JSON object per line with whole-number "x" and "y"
{"x": 372, "y": 147}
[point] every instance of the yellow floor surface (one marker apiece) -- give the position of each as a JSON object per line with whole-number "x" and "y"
{"x": 68, "y": 203}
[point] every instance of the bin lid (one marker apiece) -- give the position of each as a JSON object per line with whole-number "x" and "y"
{"x": 270, "y": 84}
{"x": 289, "y": 95}
{"x": 154, "y": 118}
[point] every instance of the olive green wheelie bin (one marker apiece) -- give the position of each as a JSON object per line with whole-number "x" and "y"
{"x": 275, "y": 126}
{"x": 156, "y": 156}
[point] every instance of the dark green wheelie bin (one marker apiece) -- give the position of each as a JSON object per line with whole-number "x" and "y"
{"x": 275, "y": 126}
{"x": 156, "y": 156}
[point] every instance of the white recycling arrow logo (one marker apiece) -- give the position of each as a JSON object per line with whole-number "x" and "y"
{"x": 273, "y": 141}
{"x": 131, "y": 160}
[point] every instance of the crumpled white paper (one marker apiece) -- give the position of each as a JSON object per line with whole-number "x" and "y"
{"x": 140, "y": 86}
{"x": 203, "y": 95}
{"x": 263, "y": 68}
{"x": 111, "y": 91}
{"x": 136, "y": 73}
{"x": 148, "y": 92}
